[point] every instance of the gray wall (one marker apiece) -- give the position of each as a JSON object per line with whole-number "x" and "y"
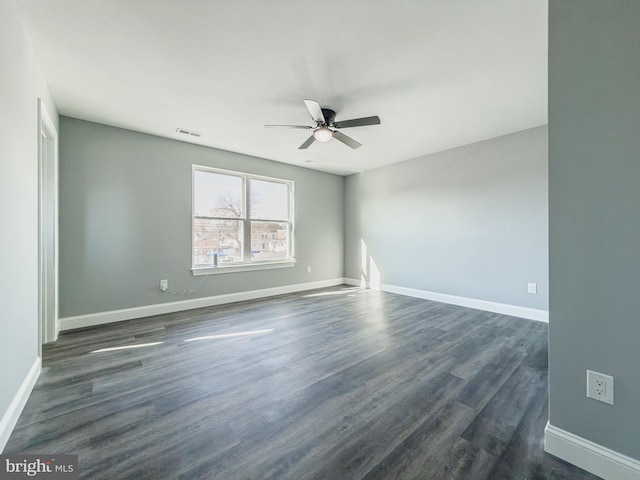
{"x": 125, "y": 219}
{"x": 594, "y": 200}
{"x": 21, "y": 83}
{"x": 470, "y": 221}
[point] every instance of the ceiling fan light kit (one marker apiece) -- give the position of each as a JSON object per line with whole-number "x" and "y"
{"x": 326, "y": 126}
{"x": 323, "y": 134}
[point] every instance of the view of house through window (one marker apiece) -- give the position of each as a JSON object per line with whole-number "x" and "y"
{"x": 240, "y": 219}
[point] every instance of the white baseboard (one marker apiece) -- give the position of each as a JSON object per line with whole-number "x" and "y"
{"x": 11, "y": 416}
{"x": 503, "y": 308}
{"x": 590, "y": 456}
{"x": 92, "y": 319}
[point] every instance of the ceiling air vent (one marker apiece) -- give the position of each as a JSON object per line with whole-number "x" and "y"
{"x": 188, "y": 132}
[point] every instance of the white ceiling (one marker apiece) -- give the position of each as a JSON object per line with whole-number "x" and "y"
{"x": 439, "y": 73}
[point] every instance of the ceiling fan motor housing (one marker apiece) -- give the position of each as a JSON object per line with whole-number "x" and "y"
{"x": 329, "y": 116}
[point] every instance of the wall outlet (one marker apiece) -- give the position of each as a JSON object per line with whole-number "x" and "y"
{"x": 600, "y": 387}
{"x": 164, "y": 285}
{"x": 308, "y": 269}
{"x": 532, "y": 288}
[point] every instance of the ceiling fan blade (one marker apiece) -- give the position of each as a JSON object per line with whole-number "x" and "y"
{"x": 315, "y": 110}
{"x": 348, "y": 141}
{"x": 307, "y": 142}
{"x": 288, "y": 126}
{"x": 358, "y": 122}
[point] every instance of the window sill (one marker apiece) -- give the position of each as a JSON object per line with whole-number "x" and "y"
{"x": 246, "y": 267}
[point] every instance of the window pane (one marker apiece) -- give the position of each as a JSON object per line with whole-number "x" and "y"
{"x": 269, "y": 200}
{"x": 216, "y": 237}
{"x": 217, "y": 195}
{"x": 269, "y": 241}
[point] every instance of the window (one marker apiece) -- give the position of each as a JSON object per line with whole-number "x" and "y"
{"x": 240, "y": 220}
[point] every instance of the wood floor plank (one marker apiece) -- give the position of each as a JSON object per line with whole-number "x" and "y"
{"x": 524, "y": 453}
{"x": 493, "y": 428}
{"x": 424, "y": 454}
{"x": 481, "y": 388}
{"x": 337, "y": 383}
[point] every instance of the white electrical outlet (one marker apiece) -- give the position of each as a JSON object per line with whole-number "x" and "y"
{"x": 532, "y": 287}
{"x": 164, "y": 285}
{"x": 308, "y": 269}
{"x": 600, "y": 387}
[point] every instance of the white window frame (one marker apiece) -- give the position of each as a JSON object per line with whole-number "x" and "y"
{"x": 248, "y": 264}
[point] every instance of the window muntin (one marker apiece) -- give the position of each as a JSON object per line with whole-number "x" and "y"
{"x": 226, "y": 233}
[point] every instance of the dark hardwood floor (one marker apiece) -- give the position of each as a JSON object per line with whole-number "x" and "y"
{"x": 333, "y": 384}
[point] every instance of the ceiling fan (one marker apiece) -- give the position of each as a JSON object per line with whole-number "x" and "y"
{"x": 326, "y": 126}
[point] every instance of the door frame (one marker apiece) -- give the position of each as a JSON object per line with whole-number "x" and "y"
{"x": 48, "y": 325}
